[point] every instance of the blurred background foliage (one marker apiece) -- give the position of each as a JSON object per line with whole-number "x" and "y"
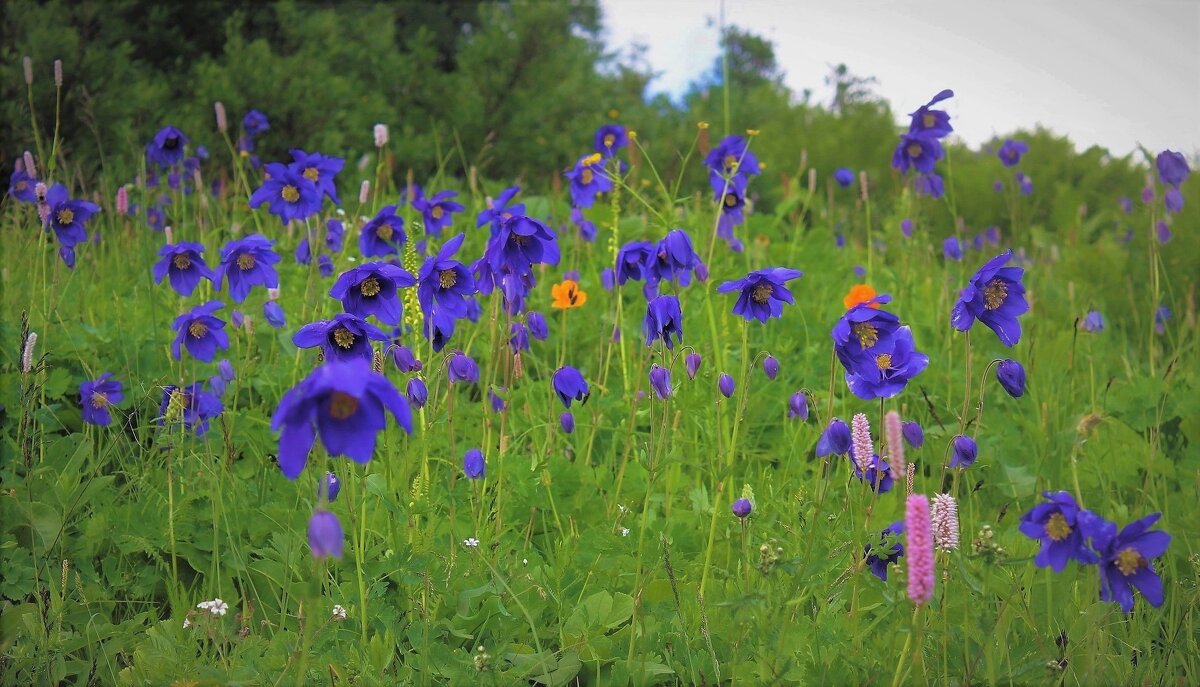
{"x": 513, "y": 88}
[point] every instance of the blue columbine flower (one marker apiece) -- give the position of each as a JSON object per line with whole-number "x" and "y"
{"x": 798, "y": 406}
{"x": 521, "y": 243}
{"x": 500, "y": 210}
{"x": 247, "y": 263}
{"x": 634, "y": 260}
{"x": 929, "y": 185}
{"x": 844, "y": 176}
{"x": 345, "y": 337}
{"x": 95, "y": 396}
{"x": 610, "y": 138}
{"x": 587, "y": 228}
{"x": 416, "y": 392}
{"x": 674, "y": 258}
{"x": 405, "y": 359}
{"x": 660, "y": 381}
{"x": 762, "y": 293}
{"x": 288, "y": 194}
{"x": 255, "y": 123}
{"x": 1125, "y": 558}
{"x": 771, "y": 367}
{"x": 929, "y": 122}
{"x": 1011, "y": 151}
{"x": 889, "y": 549}
{"x": 474, "y": 465}
{"x": 1024, "y": 182}
{"x": 274, "y": 315}
{"x": 913, "y": 434}
{"x": 570, "y": 385}
{"x": 193, "y": 405}
{"x": 21, "y": 186}
{"x": 1172, "y": 168}
{"x": 166, "y": 148}
{"x": 731, "y": 157}
{"x": 964, "y": 451}
{"x": 462, "y": 368}
{"x": 726, "y": 385}
{"x": 996, "y": 297}
{"x": 567, "y": 422}
{"x": 372, "y": 289}
{"x": 588, "y": 179}
{"x": 329, "y": 487}
{"x": 183, "y": 265}
{"x": 1011, "y": 376}
{"x": 325, "y": 536}
{"x": 732, "y": 199}
{"x": 1056, "y": 525}
{"x": 895, "y": 362}
{"x": 200, "y": 332}
{"x": 916, "y": 151}
{"x": 437, "y": 211}
{"x": 862, "y": 333}
{"x": 878, "y": 475}
{"x": 664, "y": 321}
{"x": 537, "y": 325}
{"x": 342, "y": 401}
{"x": 383, "y": 235}
{"x": 67, "y": 217}
{"x": 445, "y": 285}
{"x": 952, "y": 249}
{"x": 318, "y": 169}
{"x": 1173, "y": 200}
{"x": 835, "y": 440}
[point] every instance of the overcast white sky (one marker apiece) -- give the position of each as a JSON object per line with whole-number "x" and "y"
{"x": 1111, "y": 72}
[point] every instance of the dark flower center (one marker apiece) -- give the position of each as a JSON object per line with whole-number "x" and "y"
{"x": 66, "y": 216}
{"x": 586, "y": 176}
{"x": 867, "y": 334}
{"x": 197, "y": 329}
{"x": 730, "y": 200}
{"x": 521, "y": 241}
{"x": 369, "y": 287}
{"x": 290, "y": 193}
{"x": 1057, "y": 528}
{"x": 312, "y": 174}
{"x": 994, "y": 294}
{"x": 447, "y": 278}
{"x": 1129, "y": 560}
{"x": 171, "y": 143}
{"x": 245, "y": 261}
{"x": 22, "y": 185}
{"x": 437, "y": 212}
{"x": 384, "y": 232}
{"x": 928, "y": 120}
{"x": 342, "y": 337}
{"x": 99, "y": 400}
{"x": 914, "y": 150}
{"x": 762, "y": 293}
{"x": 182, "y": 262}
{"x": 342, "y": 405}
{"x": 883, "y": 361}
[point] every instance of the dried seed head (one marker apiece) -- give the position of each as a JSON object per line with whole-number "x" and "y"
{"x": 58, "y": 74}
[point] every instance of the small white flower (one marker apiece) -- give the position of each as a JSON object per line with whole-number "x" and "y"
{"x": 187, "y": 622}
{"x": 215, "y": 607}
{"x": 339, "y": 613}
{"x": 621, "y": 507}
{"x": 524, "y": 561}
{"x": 471, "y": 542}
{"x": 624, "y": 531}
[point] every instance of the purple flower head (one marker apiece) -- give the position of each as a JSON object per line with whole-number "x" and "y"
{"x": 634, "y": 260}
{"x": 929, "y": 122}
{"x": 474, "y": 465}
{"x": 537, "y": 325}
{"x": 731, "y": 196}
{"x": 877, "y": 475}
{"x": 730, "y": 157}
{"x": 725, "y": 385}
{"x": 1056, "y": 525}
{"x": 692, "y": 363}
{"x": 1161, "y": 315}
{"x": 225, "y": 369}
{"x": 462, "y": 368}
{"x": 20, "y": 186}
{"x": 1162, "y": 233}
{"x": 255, "y": 123}
{"x": 329, "y": 487}
{"x": 438, "y": 211}
{"x": 1125, "y": 204}
{"x": 762, "y": 293}
{"x": 798, "y": 406}
{"x": 383, "y": 235}
{"x": 319, "y": 170}
{"x": 771, "y": 367}
{"x": 929, "y": 185}
{"x": 343, "y": 402}
{"x": 372, "y": 288}
{"x": 1172, "y": 168}
{"x": 1011, "y": 151}
{"x": 952, "y": 249}
{"x": 1173, "y": 200}
{"x": 1093, "y": 322}
{"x": 166, "y": 148}
{"x": 404, "y": 359}
{"x": 844, "y": 176}
{"x": 570, "y": 385}
{"x": 445, "y": 285}
{"x": 335, "y": 235}
{"x": 344, "y": 338}
{"x": 588, "y": 178}
{"x": 416, "y": 392}
{"x": 247, "y": 263}
{"x": 521, "y": 243}
{"x": 183, "y": 265}
{"x": 998, "y": 186}
{"x": 1125, "y": 558}
{"x": 916, "y": 151}
{"x": 68, "y": 217}
{"x": 325, "y": 265}
{"x": 879, "y": 355}
{"x": 1011, "y": 376}
{"x": 274, "y": 315}
{"x": 610, "y": 138}
{"x": 567, "y": 422}
{"x": 1024, "y": 182}
{"x": 913, "y": 434}
{"x": 964, "y": 451}
{"x": 67, "y": 253}
{"x": 664, "y": 321}
{"x": 288, "y": 194}
{"x": 996, "y": 297}
{"x": 906, "y": 228}
{"x": 192, "y": 405}
{"x": 835, "y": 440}
{"x": 889, "y": 549}
{"x": 95, "y": 396}
{"x": 200, "y": 332}
{"x": 518, "y": 337}
{"x": 742, "y": 507}
{"x": 674, "y": 258}
{"x": 587, "y": 229}
{"x": 500, "y": 210}
{"x": 660, "y": 381}
{"x": 325, "y": 536}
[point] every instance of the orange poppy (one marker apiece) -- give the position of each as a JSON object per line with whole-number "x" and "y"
{"x": 859, "y": 293}
{"x": 567, "y": 295}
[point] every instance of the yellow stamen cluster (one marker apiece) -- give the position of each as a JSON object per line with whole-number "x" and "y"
{"x": 369, "y": 286}
{"x": 99, "y": 400}
{"x": 66, "y": 216}
{"x": 384, "y": 232}
{"x": 182, "y": 262}
{"x": 883, "y": 361}
{"x": 437, "y": 212}
{"x": 342, "y": 405}
{"x": 245, "y": 261}
{"x": 290, "y": 193}
{"x": 312, "y": 174}
{"x": 730, "y": 200}
{"x": 197, "y": 329}
{"x": 867, "y": 334}
{"x": 914, "y": 150}
{"x": 928, "y": 120}
{"x": 762, "y": 293}
{"x": 447, "y": 278}
{"x": 343, "y": 337}
{"x": 1129, "y": 560}
{"x": 994, "y": 294}
{"x": 1057, "y": 528}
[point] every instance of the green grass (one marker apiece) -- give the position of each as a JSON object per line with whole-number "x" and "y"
{"x": 608, "y": 556}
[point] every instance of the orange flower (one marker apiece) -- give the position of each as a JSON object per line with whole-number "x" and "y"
{"x": 859, "y": 293}
{"x": 567, "y": 295}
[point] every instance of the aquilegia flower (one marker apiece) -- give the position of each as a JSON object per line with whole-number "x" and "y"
{"x": 916, "y": 151}
{"x": 913, "y": 434}
{"x": 255, "y": 123}
{"x": 674, "y": 258}
{"x": 462, "y": 368}
{"x": 166, "y": 148}
{"x": 725, "y": 385}
{"x": 664, "y": 321}
{"x": 731, "y": 157}
{"x": 329, "y": 487}
{"x": 878, "y": 354}
{"x": 325, "y": 536}
{"x": 889, "y": 549}
{"x": 96, "y": 396}
{"x": 200, "y": 332}
{"x": 692, "y": 362}
{"x": 318, "y": 169}
{"x": 1093, "y": 322}
{"x": 929, "y": 122}
{"x": 193, "y": 405}
{"x": 996, "y": 297}
{"x": 588, "y": 178}
{"x": 1011, "y": 376}
{"x": 247, "y": 263}
{"x": 770, "y": 366}
{"x": 660, "y": 381}
{"x": 345, "y": 337}
{"x": 67, "y": 217}
{"x": 288, "y": 194}
{"x": 1011, "y": 151}
{"x": 762, "y": 293}
{"x": 1172, "y": 168}
{"x": 610, "y": 138}
{"x": 384, "y": 235}
{"x": 835, "y": 440}
{"x": 444, "y": 285}
{"x": 964, "y": 451}
{"x": 474, "y": 465}
{"x": 1125, "y": 558}
{"x": 634, "y": 260}
{"x": 798, "y": 406}
{"x": 844, "y": 176}
{"x": 20, "y": 185}
{"x": 499, "y": 209}
{"x": 344, "y": 403}
{"x": 372, "y": 289}
{"x": 570, "y": 385}
{"x": 437, "y": 211}
{"x": 183, "y": 265}
{"x": 1056, "y": 525}
{"x": 520, "y": 243}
